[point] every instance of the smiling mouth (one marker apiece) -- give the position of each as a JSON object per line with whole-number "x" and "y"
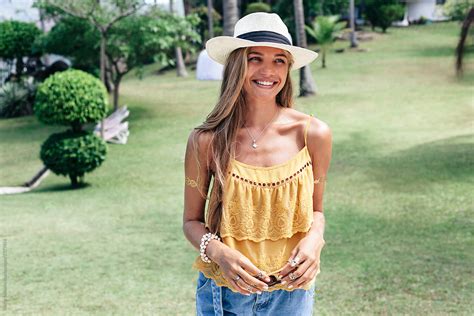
{"x": 265, "y": 84}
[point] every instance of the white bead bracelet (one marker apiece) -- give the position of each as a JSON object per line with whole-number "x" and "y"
{"x": 206, "y": 238}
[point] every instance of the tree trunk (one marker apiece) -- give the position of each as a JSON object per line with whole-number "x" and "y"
{"x": 102, "y": 68}
{"x": 231, "y": 15}
{"x": 74, "y": 182}
{"x": 19, "y": 67}
{"x": 460, "y": 49}
{"x": 116, "y": 91}
{"x": 102, "y": 55}
{"x": 210, "y": 22}
{"x": 307, "y": 84}
{"x": 352, "y": 24}
{"x": 323, "y": 53}
{"x": 180, "y": 66}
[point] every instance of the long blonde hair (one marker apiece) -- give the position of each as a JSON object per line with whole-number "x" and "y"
{"x": 224, "y": 122}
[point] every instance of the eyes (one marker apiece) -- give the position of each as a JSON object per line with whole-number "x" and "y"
{"x": 257, "y": 59}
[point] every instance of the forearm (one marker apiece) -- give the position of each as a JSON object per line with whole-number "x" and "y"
{"x": 194, "y": 230}
{"x": 317, "y": 228}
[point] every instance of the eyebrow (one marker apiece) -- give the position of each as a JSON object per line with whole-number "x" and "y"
{"x": 276, "y": 55}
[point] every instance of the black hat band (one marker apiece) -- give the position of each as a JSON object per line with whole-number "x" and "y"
{"x": 265, "y": 36}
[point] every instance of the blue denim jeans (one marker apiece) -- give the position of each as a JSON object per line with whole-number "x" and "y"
{"x": 219, "y": 301}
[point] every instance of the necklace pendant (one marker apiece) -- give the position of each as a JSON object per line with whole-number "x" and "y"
{"x": 254, "y": 145}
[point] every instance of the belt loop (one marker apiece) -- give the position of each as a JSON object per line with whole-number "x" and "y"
{"x": 217, "y": 299}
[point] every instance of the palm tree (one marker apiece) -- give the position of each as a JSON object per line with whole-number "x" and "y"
{"x": 307, "y": 84}
{"x": 231, "y": 15}
{"x": 324, "y": 30}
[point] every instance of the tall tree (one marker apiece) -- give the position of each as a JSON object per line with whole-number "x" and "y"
{"x": 353, "y": 37}
{"x": 307, "y": 84}
{"x": 180, "y": 66}
{"x": 210, "y": 22}
{"x": 103, "y": 14}
{"x": 231, "y": 15}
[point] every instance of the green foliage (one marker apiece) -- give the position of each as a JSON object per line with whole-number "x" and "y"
{"x": 102, "y": 12}
{"x": 382, "y": 13}
{"x": 73, "y": 153}
{"x": 457, "y": 9}
{"x": 202, "y": 27}
{"x": 17, "y": 39}
{"x": 16, "y": 99}
{"x": 71, "y": 97}
{"x": 258, "y": 7}
{"x": 314, "y": 8}
{"x": 324, "y": 31}
{"x": 77, "y": 39}
{"x": 141, "y": 39}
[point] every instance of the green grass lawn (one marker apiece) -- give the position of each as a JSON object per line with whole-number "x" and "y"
{"x": 398, "y": 200}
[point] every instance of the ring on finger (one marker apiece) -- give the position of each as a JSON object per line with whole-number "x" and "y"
{"x": 294, "y": 261}
{"x": 237, "y": 278}
{"x": 260, "y": 275}
{"x": 293, "y": 276}
{"x": 249, "y": 288}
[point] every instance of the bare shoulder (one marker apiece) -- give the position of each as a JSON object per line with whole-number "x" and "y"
{"x": 318, "y": 129}
{"x": 319, "y": 140}
{"x": 202, "y": 139}
{"x": 200, "y": 143}
{"x": 319, "y": 137}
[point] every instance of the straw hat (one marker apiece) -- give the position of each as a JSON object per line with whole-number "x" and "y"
{"x": 259, "y": 29}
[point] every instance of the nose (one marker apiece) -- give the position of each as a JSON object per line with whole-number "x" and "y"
{"x": 267, "y": 69}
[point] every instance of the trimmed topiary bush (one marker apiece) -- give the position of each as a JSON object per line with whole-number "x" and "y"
{"x": 73, "y": 154}
{"x": 17, "y": 40}
{"x": 71, "y": 97}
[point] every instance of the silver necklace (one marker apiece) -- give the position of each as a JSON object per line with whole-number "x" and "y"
{"x": 254, "y": 140}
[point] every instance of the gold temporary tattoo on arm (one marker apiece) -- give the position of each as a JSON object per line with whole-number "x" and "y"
{"x": 192, "y": 183}
{"x": 319, "y": 180}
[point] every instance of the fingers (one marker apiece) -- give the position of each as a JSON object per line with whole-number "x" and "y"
{"x": 304, "y": 274}
{"x": 246, "y": 278}
{"x": 290, "y": 266}
{"x": 235, "y": 283}
{"x": 253, "y": 282}
{"x": 254, "y": 271}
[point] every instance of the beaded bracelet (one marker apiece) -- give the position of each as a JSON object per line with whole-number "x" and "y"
{"x": 206, "y": 238}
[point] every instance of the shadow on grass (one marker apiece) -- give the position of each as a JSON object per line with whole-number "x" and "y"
{"x": 447, "y": 160}
{"x": 66, "y": 187}
{"x": 353, "y": 153}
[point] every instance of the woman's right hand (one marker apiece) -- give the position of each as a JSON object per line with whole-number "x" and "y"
{"x": 237, "y": 269}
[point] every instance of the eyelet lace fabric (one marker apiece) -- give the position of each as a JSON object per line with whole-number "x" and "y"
{"x": 266, "y": 212}
{"x": 252, "y": 211}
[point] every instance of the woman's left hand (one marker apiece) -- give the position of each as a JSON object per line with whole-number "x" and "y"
{"x": 304, "y": 261}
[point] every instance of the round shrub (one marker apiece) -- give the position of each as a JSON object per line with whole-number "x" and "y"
{"x": 17, "y": 39}
{"x": 71, "y": 97}
{"x": 73, "y": 154}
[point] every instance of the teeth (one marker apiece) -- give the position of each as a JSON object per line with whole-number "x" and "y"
{"x": 265, "y": 83}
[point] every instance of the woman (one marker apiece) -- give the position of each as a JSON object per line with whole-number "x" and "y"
{"x": 261, "y": 239}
